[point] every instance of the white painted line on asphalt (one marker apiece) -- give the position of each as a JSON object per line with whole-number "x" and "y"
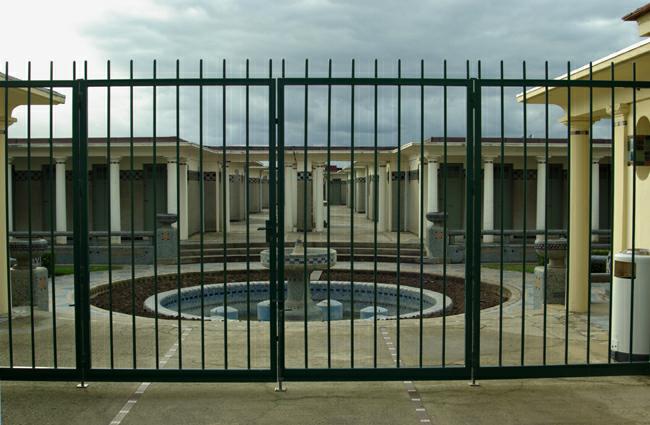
{"x": 117, "y": 420}
{"x": 411, "y": 390}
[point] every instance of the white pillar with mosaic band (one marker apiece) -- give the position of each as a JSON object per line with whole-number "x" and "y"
{"x": 172, "y": 190}
{"x": 317, "y": 198}
{"x": 288, "y": 202}
{"x": 488, "y": 198}
{"x": 114, "y": 188}
{"x": 4, "y": 230}
{"x": 184, "y": 218}
{"x": 61, "y": 204}
{"x": 382, "y": 222}
{"x": 432, "y": 185}
{"x": 10, "y": 195}
{"x": 540, "y": 215}
{"x": 595, "y": 196}
{"x": 620, "y": 228}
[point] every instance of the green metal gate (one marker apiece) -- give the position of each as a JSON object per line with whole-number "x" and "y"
{"x": 364, "y": 350}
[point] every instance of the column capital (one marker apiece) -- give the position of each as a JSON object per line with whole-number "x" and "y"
{"x": 542, "y": 159}
{"x": 579, "y": 125}
{"x": 619, "y": 110}
{"x": 432, "y": 158}
{"x": 60, "y": 159}
{"x": 488, "y": 159}
{"x": 115, "y": 159}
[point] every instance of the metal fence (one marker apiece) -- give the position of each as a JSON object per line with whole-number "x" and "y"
{"x": 164, "y": 230}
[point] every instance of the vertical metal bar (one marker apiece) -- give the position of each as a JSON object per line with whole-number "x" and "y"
{"x": 273, "y": 174}
{"x": 591, "y": 158}
{"x": 376, "y": 220}
{"x": 545, "y": 296}
{"x": 155, "y": 219}
{"x": 280, "y": 236}
{"x": 108, "y": 211}
{"x": 179, "y": 334}
{"x": 248, "y": 231}
{"x": 29, "y": 215}
{"x": 502, "y": 211}
{"x": 8, "y": 175}
{"x": 469, "y": 222}
{"x": 225, "y": 234}
{"x": 305, "y": 204}
{"x": 80, "y": 220}
{"x": 201, "y": 236}
{"x": 329, "y": 222}
{"x": 443, "y": 345}
{"x": 525, "y": 222}
{"x": 611, "y": 213}
{"x": 352, "y": 219}
{"x": 52, "y": 213}
{"x": 132, "y": 193}
{"x": 634, "y": 132}
{"x": 478, "y": 196}
{"x": 568, "y": 230}
{"x": 399, "y": 199}
{"x": 422, "y": 210}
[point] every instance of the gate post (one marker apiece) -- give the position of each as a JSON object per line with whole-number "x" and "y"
{"x": 278, "y": 240}
{"x": 473, "y": 230}
{"x": 80, "y": 237}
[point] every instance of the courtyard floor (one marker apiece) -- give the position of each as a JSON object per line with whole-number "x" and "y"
{"x": 553, "y": 401}
{"x": 593, "y": 401}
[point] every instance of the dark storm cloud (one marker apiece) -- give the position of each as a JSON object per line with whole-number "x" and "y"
{"x": 509, "y": 30}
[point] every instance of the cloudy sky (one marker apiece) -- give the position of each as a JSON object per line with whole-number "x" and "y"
{"x": 188, "y": 30}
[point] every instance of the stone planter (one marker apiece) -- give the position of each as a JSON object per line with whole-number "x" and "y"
{"x": 435, "y": 238}
{"x": 555, "y": 278}
{"x": 20, "y": 249}
{"x": 167, "y": 238}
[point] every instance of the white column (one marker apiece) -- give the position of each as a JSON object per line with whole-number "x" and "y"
{"x": 288, "y": 201}
{"x": 317, "y": 197}
{"x": 217, "y": 202}
{"x": 348, "y": 192}
{"x": 226, "y": 210}
{"x": 382, "y": 223}
{"x": 10, "y": 194}
{"x": 116, "y": 210}
{"x": 4, "y": 237}
{"x": 294, "y": 197}
{"x": 432, "y": 186}
{"x": 405, "y": 207}
{"x": 540, "y": 217}
{"x": 61, "y": 205}
{"x": 620, "y": 219}
{"x": 184, "y": 218}
{"x": 172, "y": 191}
{"x": 595, "y": 198}
{"x": 368, "y": 199}
{"x": 488, "y": 198}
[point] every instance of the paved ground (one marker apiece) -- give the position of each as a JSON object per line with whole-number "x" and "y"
{"x": 592, "y": 401}
{"x": 559, "y": 401}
